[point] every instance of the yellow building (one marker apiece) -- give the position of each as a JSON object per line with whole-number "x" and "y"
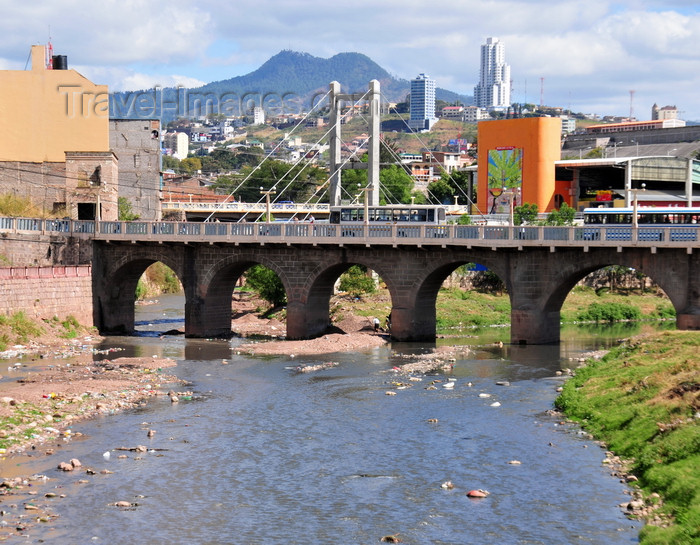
{"x": 54, "y": 140}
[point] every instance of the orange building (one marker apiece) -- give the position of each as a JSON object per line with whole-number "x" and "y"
{"x": 516, "y": 164}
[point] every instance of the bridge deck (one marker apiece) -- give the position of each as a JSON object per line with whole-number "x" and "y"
{"x": 306, "y": 233}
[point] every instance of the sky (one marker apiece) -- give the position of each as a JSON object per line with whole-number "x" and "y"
{"x": 589, "y": 56}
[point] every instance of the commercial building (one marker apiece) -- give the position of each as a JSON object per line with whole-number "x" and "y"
{"x": 54, "y": 139}
{"x": 665, "y": 112}
{"x": 493, "y": 90}
{"x": 422, "y": 103}
{"x": 516, "y": 164}
{"x": 520, "y": 162}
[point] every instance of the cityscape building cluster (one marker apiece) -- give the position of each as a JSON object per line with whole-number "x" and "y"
{"x": 60, "y": 147}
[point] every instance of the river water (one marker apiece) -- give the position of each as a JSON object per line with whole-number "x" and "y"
{"x": 262, "y": 454}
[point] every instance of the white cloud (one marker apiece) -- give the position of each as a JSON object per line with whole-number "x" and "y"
{"x": 121, "y": 79}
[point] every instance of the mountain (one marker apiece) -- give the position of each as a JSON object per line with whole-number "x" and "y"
{"x": 289, "y": 80}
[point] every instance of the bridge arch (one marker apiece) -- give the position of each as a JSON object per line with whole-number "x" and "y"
{"x": 115, "y": 287}
{"x": 208, "y": 311}
{"x": 573, "y": 272}
{"x": 414, "y": 313}
{"x": 310, "y": 308}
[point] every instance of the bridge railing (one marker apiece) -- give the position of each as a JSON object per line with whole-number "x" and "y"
{"x": 393, "y": 234}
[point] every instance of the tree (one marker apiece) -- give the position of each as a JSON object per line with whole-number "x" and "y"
{"x": 291, "y": 182}
{"x": 388, "y": 152}
{"x": 125, "y": 211}
{"x": 350, "y": 180}
{"x": 488, "y": 282}
{"x": 225, "y": 160}
{"x": 443, "y": 191}
{"x": 170, "y": 162}
{"x": 190, "y": 165}
{"x": 563, "y": 216}
{"x": 464, "y": 219}
{"x": 266, "y": 284}
{"x": 397, "y": 185}
{"x": 525, "y": 214}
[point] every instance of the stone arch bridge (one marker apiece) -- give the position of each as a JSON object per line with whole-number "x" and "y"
{"x": 539, "y": 266}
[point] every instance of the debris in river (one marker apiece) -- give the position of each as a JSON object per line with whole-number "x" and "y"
{"x": 318, "y": 367}
{"x": 478, "y": 493}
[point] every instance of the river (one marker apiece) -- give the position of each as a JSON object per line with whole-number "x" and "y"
{"x": 262, "y": 454}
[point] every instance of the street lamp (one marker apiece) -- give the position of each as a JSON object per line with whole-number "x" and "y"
{"x": 635, "y": 206}
{"x": 267, "y": 194}
{"x": 366, "y": 191}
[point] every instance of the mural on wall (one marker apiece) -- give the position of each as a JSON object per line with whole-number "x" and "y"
{"x": 505, "y": 174}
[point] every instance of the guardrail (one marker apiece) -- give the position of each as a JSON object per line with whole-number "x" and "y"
{"x": 378, "y": 234}
{"x": 244, "y": 207}
{"x": 56, "y": 271}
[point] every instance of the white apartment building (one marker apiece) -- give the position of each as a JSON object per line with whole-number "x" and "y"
{"x": 178, "y": 143}
{"x": 473, "y": 114}
{"x": 568, "y": 124}
{"x": 258, "y": 116}
{"x": 493, "y": 90}
{"x": 422, "y": 103}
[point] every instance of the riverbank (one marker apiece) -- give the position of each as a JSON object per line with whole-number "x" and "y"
{"x": 49, "y": 387}
{"x": 643, "y": 401}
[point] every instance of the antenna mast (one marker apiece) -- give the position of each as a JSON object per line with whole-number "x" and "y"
{"x": 631, "y": 104}
{"x": 49, "y": 53}
{"x": 541, "y": 93}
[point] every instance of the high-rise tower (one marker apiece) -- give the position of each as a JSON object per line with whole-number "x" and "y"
{"x": 493, "y": 90}
{"x": 422, "y": 103}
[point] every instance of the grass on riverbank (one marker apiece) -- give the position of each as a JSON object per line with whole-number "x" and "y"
{"x": 19, "y": 329}
{"x": 458, "y": 308}
{"x": 643, "y": 401}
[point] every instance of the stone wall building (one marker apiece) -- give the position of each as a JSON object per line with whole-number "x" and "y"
{"x": 137, "y": 145}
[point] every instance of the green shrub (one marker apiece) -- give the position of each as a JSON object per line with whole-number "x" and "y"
{"x": 488, "y": 282}
{"x": 267, "y": 284}
{"x": 357, "y": 282}
{"x": 564, "y": 216}
{"x": 13, "y": 206}
{"x": 525, "y": 214}
{"x": 23, "y": 327}
{"x": 71, "y": 325}
{"x": 4, "y": 342}
{"x": 664, "y": 311}
{"x": 609, "y": 312}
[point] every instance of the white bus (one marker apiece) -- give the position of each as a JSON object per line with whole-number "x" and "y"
{"x": 417, "y": 214}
